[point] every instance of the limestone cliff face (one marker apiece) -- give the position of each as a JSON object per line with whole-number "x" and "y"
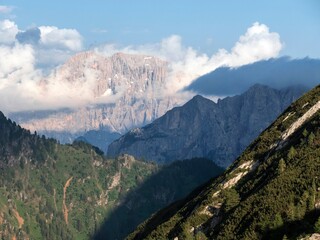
{"x": 134, "y": 80}
{"x": 201, "y": 128}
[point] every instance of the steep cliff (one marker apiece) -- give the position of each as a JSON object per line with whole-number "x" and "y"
{"x": 201, "y": 128}
{"x": 132, "y": 80}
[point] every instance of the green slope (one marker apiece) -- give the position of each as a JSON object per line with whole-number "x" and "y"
{"x": 53, "y": 191}
{"x": 272, "y": 191}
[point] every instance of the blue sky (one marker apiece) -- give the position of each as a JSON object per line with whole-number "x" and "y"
{"x": 205, "y": 25}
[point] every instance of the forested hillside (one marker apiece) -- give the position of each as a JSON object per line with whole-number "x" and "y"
{"x": 54, "y": 191}
{"x": 272, "y": 191}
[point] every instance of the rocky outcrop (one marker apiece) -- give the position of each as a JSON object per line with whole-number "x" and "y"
{"x": 201, "y": 128}
{"x": 134, "y": 80}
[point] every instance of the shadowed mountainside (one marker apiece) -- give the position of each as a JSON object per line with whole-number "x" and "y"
{"x": 201, "y": 128}
{"x": 272, "y": 191}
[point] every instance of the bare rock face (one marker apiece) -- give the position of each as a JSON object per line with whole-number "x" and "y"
{"x": 201, "y": 128}
{"x": 134, "y": 80}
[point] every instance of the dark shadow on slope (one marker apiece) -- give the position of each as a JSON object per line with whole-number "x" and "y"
{"x": 295, "y": 229}
{"x": 171, "y": 183}
{"x": 168, "y": 212}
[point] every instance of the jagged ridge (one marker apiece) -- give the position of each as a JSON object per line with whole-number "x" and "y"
{"x": 134, "y": 82}
{"x": 201, "y": 128}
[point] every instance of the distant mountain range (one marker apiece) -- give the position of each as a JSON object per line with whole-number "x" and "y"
{"x": 133, "y": 81}
{"x": 202, "y": 128}
{"x": 272, "y": 191}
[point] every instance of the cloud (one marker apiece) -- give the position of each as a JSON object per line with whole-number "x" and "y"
{"x": 30, "y": 36}
{"x": 5, "y": 9}
{"x": 187, "y": 64}
{"x": 65, "y": 39}
{"x": 277, "y": 73}
{"x": 256, "y": 44}
{"x": 24, "y": 67}
{"x": 29, "y": 76}
{"x": 16, "y": 63}
{"x": 52, "y": 46}
{"x": 18, "y": 77}
{"x": 8, "y": 31}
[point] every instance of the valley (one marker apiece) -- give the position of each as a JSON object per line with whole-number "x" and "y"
{"x": 55, "y": 191}
{"x": 159, "y": 120}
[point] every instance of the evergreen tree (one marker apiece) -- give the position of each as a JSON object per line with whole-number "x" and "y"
{"x": 281, "y": 166}
{"x": 278, "y": 221}
{"x": 232, "y": 199}
{"x": 311, "y": 138}
{"x": 292, "y": 152}
{"x": 317, "y": 226}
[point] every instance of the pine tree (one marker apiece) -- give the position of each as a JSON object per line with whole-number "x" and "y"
{"x": 311, "y": 138}
{"x": 186, "y": 232}
{"x": 281, "y": 166}
{"x": 292, "y": 152}
{"x": 317, "y": 226}
{"x": 278, "y": 222}
{"x": 232, "y": 199}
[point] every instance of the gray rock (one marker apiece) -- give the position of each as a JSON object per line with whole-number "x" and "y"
{"x": 134, "y": 80}
{"x": 201, "y": 128}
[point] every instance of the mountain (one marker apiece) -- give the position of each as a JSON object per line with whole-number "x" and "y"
{"x": 99, "y": 138}
{"x": 227, "y": 81}
{"x": 201, "y": 128}
{"x": 172, "y": 183}
{"x": 272, "y": 191}
{"x": 54, "y": 191}
{"x": 133, "y": 81}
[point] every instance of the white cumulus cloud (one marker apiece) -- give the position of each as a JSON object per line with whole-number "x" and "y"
{"x": 258, "y": 43}
{"x": 8, "y": 31}
{"x": 23, "y": 59}
{"x": 68, "y": 39}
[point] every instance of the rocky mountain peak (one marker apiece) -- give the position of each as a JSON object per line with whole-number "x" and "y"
{"x": 132, "y": 81}
{"x": 198, "y": 100}
{"x": 109, "y": 74}
{"x": 202, "y": 128}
